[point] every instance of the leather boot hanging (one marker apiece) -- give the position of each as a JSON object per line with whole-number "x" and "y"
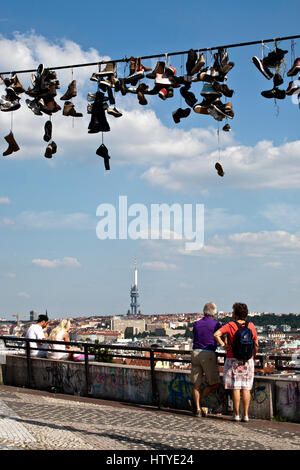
{"x": 12, "y": 144}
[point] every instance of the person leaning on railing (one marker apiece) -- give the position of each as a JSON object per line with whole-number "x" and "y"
{"x": 203, "y": 357}
{"x": 238, "y": 375}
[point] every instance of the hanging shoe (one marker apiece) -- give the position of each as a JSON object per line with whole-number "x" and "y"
{"x": 219, "y": 169}
{"x": 136, "y": 71}
{"x": 91, "y": 96}
{"x": 210, "y": 75}
{"x": 103, "y": 152}
{"x": 215, "y": 113}
{"x": 16, "y": 85}
{"x": 274, "y": 58}
{"x": 163, "y": 94}
{"x": 50, "y": 150}
{"x": 223, "y": 109}
{"x": 98, "y": 122}
{"x": 71, "y": 91}
{"x": 277, "y": 80}
{"x": 209, "y": 90}
{"x": 223, "y": 88}
{"x": 189, "y": 97}
{"x": 180, "y": 113}
{"x": 199, "y": 64}
{"x": 191, "y": 61}
{"x": 262, "y": 68}
{"x": 159, "y": 69}
{"x": 109, "y": 70}
{"x": 170, "y": 71}
{"x": 12, "y": 145}
{"x": 114, "y": 112}
{"x": 295, "y": 68}
{"x": 170, "y": 92}
{"x": 274, "y": 93}
{"x": 292, "y": 89}
{"x": 200, "y": 109}
{"x": 141, "y": 89}
{"x": 6, "y": 105}
{"x": 48, "y": 131}
{"x": 227, "y": 128}
{"x": 69, "y": 110}
{"x": 35, "y": 106}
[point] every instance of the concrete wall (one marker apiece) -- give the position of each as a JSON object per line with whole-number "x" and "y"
{"x": 269, "y": 396}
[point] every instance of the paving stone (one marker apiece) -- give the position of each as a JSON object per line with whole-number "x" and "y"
{"x": 39, "y": 421}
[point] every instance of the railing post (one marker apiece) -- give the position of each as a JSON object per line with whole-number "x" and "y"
{"x": 155, "y": 395}
{"x": 87, "y": 372}
{"x": 28, "y": 360}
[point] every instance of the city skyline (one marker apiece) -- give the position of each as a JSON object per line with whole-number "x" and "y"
{"x": 51, "y": 257}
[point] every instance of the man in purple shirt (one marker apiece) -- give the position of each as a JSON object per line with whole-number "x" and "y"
{"x": 204, "y": 359}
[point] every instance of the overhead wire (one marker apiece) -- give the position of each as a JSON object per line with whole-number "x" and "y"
{"x": 125, "y": 59}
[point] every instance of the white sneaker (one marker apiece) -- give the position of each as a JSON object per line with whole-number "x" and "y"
{"x": 245, "y": 419}
{"x": 236, "y": 418}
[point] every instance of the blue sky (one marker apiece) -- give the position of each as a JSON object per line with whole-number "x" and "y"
{"x": 50, "y": 256}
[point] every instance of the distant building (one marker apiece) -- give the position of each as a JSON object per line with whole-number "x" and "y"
{"x": 33, "y": 316}
{"x": 123, "y": 322}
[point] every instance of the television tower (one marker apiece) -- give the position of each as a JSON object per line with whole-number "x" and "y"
{"x": 134, "y": 294}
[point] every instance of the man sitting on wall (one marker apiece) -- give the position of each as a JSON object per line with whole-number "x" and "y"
{"x": 36, "y": 331}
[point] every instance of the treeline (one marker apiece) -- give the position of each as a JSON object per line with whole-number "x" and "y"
{"x": 270, "y": 319}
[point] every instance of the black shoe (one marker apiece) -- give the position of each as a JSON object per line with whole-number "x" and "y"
{"x": 180, "y": 113}
{"x": 191, "y": 61}
{"x": 274, "y": 58}
{"x": 189, "y": 97}
{"x": 219, "y": 169}
{"x": 98, "y": 122}
{"x": 262, "y": 68}
{"x": 274, "y": 93}
{"x": 48, "y": 131}
{"x": 277, "y": 80}
{"x": 103, "y": 152}
{"x": 223, "y": 88}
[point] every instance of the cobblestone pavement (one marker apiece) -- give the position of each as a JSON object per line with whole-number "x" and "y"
{"x": 41, "y": 421}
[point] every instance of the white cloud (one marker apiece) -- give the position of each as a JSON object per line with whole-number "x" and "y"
{"x": 24, "y": 294}
{"x": 275, "y": 264}
{"x": 282, "y": 215}
{"x": 4, "y": 200}
{"x": 52, "y": 220}
{"x": 264, "y": 244}
{"x": 261, "y": 166}
{"x": 57, "y": 263}
{"x": 159, "y": 266}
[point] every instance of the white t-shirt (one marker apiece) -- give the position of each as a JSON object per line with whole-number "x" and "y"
{"x": 57, "y": 355}
{"x": 35, "y": 331}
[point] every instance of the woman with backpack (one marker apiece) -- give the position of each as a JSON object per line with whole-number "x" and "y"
{"x": 241, "y": 346}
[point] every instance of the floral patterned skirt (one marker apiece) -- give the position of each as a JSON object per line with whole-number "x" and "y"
{"x": 238, "y": 375}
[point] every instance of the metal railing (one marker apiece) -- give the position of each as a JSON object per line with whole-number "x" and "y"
{"x": 154, "y": 354}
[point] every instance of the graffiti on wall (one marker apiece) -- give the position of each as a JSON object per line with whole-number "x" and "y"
{"x": 290, "y": 396}
{"x": 63, "y": 378}
{"x": 259, "y": 393}
{"x": 122, "y": 383}
{"x": 179, "y": 390}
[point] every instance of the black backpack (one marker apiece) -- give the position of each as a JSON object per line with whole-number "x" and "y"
{"x": 243, "y": 344}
